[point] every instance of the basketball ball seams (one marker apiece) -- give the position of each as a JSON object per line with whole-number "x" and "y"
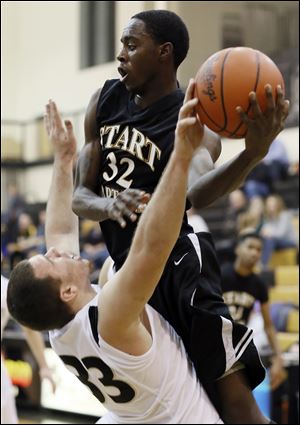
{"x": 222, "y": 91}
{"x": 200, "y": 105}
{"x": 232, "y": 134}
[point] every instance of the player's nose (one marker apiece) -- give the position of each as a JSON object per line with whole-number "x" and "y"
{"x": 52, "y": 252}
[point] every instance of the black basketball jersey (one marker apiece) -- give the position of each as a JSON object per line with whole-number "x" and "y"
{"x": 241, "y": 292}
{"x": 136, "y": 145}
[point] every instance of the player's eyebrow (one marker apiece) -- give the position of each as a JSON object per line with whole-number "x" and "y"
{"x": 128, "y": 38}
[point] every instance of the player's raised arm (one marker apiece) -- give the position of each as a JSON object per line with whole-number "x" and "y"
{"x": 61, "y": 229}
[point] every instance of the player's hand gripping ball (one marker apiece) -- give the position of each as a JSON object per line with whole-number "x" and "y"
{"x": 224, "y": 82}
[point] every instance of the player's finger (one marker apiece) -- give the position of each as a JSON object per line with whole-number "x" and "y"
{"x": 69, "y": 128}
{"x": 254, "y": 105}
{"x": 244, "y": 117}
{"x": 270, "y": 100}
{"x": 47, "y": 120}
{"x": 56, "y": 116}
{"x": 282, "y": 104}
{"x": 189, "y": 93}
{"x": 117, "y": 216}
{"x": 184, "y": 123}
{"x": 188, "y": 108}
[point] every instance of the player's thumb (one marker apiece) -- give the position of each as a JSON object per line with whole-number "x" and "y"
{"x": 69, "y": 126}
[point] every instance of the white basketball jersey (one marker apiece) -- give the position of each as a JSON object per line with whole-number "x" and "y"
{"x": 159, "y": 386}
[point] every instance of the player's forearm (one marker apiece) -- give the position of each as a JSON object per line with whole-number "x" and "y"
{"x": 222, "y": 180}
{"x": 60, "y": 218}
{"x": 88, "y": 205}
{"x": 160, "y": 223}
{"x": 37, "y": 345}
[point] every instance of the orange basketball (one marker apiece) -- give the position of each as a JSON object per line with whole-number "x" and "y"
{"x": 224, "y": 82}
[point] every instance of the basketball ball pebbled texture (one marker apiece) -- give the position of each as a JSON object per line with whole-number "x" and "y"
{"x": 224, "y": 82}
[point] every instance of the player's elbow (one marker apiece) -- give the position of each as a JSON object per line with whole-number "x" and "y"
{"x": 76, "y": 203}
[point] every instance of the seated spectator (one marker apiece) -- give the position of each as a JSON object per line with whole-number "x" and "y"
{"x": 16, "y": 204}
{"x": 237, "y": 204}
{"x": 41, "y": 248}
{"x": 253, "y": 216}
{"x": 278, "y": 230}
{"x": 277, "y": 161}
{"x": 93, "y": 247}
{"x": 258, "y": 182}
{"x": 22, "y": 238}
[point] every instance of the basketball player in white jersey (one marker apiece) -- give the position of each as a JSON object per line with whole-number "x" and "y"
{"x": 123, "y": 350}
{"x": 36, "y": 343}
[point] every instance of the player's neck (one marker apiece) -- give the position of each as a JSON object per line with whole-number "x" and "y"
{"x": 83, "y": 298}
{"x": 157, "y": 91}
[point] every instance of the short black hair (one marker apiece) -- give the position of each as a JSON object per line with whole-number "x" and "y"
{"x": 165, "y": 26}
{"x": 34, "y": 302}
{"x": 248, "y": 234}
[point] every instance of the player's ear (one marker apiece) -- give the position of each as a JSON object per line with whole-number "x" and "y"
{"x": 166, "y": 50}
{"x": 68, "y": 292}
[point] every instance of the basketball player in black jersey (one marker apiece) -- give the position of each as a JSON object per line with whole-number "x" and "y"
{"x": 129, "y": 128}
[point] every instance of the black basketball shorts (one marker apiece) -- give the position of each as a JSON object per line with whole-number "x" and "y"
{"x": 189, "y": 296}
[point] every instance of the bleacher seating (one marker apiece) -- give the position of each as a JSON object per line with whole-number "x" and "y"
{"x": 287, "y": 293}
{"x": 283, "y": 257}
{"x": 287, "y": 339}
{"x": 286, "y": 275}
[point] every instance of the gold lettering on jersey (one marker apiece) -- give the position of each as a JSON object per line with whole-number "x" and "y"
{"x": 110, "y": 130}
{"x": 122, "y": 140}
{"x": 132, "y": 141}
{"x": 136, "y": 144}
{"x": 153, "y": 152}
{"x": 108, "y": 192}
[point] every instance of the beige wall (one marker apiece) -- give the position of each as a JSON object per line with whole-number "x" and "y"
{"x": 40, "y": 60}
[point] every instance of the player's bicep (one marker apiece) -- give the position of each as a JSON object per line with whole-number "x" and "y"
{"x": 90, "y": 120}
{"x": 88, "y": 166}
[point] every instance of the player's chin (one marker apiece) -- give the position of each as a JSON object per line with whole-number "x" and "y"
{"x": 87, "y": 265}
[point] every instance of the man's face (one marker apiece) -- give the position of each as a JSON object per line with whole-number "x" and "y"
{"x": 249, "y": 252}
{"x": 61, "y": 265}
{"x": 139, "y": 57}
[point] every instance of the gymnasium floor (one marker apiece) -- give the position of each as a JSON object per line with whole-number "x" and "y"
{"x": 46, "y": 416}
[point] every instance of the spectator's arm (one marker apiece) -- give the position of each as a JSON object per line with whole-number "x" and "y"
{"x": 277, "y": 372}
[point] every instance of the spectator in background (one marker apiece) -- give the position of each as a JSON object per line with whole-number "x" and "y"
{"x": 36, "y": 343}
{"x": 238, "y": 204}
{"x": 15, "y": 204}
{"x": 253, "y": 216}
{"x": 93, "y": 247}
{"x": 242, "y": 287}
{"x": 258, "y": 182}
{"x": 277, "y": 231}
{"x": 277, "y": 161}
{"x": 41, "y": 248}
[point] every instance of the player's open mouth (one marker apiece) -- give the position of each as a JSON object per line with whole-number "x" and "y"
{"x": 123, "y": 74}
